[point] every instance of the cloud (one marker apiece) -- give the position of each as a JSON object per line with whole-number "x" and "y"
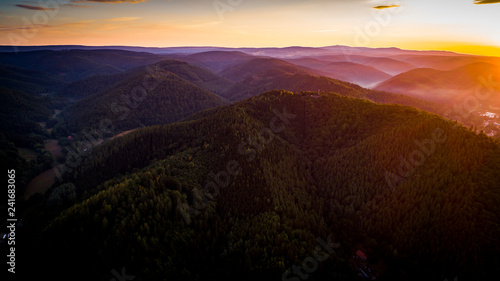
{"x": 36, "y": 8}
{"x": 11, "y": 28}
{"x": 486, "y": 1}
{"x": 75, "y": 6}
{"x": 122, "y": 19}
{"x": 326, "y": 30}
{"x": 386, "y": 7}
{"x": 111, "y": 1}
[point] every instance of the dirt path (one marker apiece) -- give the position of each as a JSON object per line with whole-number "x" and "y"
{"x": 46, "y": 179}
{"x": 53, "y": 147}
{"x": 122, "y": 133}
{"x": 57, "y": 111}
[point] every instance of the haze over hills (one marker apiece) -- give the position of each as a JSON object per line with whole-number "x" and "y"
{"x": 281, "y": 79}
{"x": 276, "y": 51}
{"x": 238, "y": 72}
{"x": 205, "y": 162}
{"x": 250, "y": 140}
{"x": 362, "y": 75}
{"x": 218, "y": 60}
{"x": 387, "y": 65}
{"x": 446, "y": 86}
{"x": 439, "y": 62}
{"x": 241, "y": 75}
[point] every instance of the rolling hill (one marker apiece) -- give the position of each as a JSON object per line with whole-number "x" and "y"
{"x": 92, "y": 85}
{"x": 256, "y": 185}
{"x": 216, "y": 61}
{"x": 310, "y": 62}
{"x": 445, "y": 86}
{"x": 365, "y": 76}
{"x": 145, "y": 99}
{"x": 388, "y": 65}
{"x": 198, "y": 76}
{"x": 255, "y": 66}
{"x": 183, "y": 185}
{"x": 72, "y": 65}
{"x": 280, "y": 79}
{"x": 20, "y": 113}
{"x": 438, "y": 62}
{"x": 29, "y": 81}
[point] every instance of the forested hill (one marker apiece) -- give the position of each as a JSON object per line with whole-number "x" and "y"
{"x": 29, "y": 81}
{"x": 196, "y": 75}
{"x": 72, "y": 65}
{"x": 150, "y": 97}
{"x": 280, "y": 79}
{"x": 20, "y": 113}
{"x": 251, "y": 188}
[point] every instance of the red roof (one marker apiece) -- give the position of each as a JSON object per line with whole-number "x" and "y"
{"x": 361, "y": 254}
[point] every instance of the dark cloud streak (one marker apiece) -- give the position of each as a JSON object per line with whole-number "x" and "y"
{"x": 75, "y": 6}
{"x": 111, "y": 1}
{"x": 478, "y": 2}
{"x": 36, "y": 8}
{"x": 385, "y": 7}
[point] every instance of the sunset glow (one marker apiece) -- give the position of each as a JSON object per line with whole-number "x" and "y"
{"x": 250, "y": 139}
{"x": 456, "y": 25}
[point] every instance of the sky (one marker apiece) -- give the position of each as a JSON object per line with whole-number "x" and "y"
{"x": 465, "y": 26}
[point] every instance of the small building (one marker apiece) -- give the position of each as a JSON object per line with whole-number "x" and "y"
{"x": 361, "y": 255}
{"x": 490, "y": 115}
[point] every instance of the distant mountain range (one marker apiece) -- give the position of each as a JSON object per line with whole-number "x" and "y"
{"x": 77, "y": 64}
{"x": 73, "y": 73}
{"x": 274, "y": 52}
{"x": 192, "y": 163}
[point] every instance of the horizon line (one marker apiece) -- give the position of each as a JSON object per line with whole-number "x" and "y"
{"x": 246, "y": 47}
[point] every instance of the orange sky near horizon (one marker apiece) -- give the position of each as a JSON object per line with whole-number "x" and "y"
{"x": 453, "y": 25}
